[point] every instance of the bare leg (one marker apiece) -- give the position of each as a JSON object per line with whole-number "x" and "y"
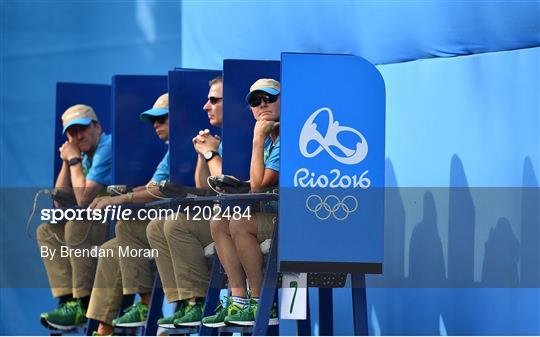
{"x": 244, "y": 235}
{"x": 104, "y": 329}
{"x": 226, "y": 251}
{"x": 145, "y": 298}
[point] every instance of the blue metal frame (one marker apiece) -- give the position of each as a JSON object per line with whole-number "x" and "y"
{"x": 217, "y": 280}
{"x": 154, "y": 310}
{"x": 303, "y": 327}
{"x": 358, "y": 283}
{"x": 326, "y": 312}
{"x": 268, "y": 291}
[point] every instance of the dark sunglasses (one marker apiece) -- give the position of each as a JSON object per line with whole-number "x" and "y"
{"x": 160, "y": 119}
{"x": 256, "y": 100}
{"x": 214, "y": 100}
{"x": 77, "y": 128}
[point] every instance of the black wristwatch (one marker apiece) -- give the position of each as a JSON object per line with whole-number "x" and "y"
{"x": 74, "y": 161}
{"x": 210, "y": 154}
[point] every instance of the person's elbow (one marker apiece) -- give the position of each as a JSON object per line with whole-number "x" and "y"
{"x": 256, "y": 187}
{"x": 269, "y": 180}
{"x": 85, "y": 200}
{"x": 88, "y": 193}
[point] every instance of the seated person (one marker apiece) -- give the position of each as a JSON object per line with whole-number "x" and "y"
{"x": 237, "y": 241}
{"x": 122, "y": 275}
{"x": 86, "y": 170}
{"x": 180, "y": 242}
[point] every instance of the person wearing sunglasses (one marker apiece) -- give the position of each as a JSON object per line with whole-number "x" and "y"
{"x": 116, "y": 275}
{"x": 86, "y": 170}
{"x": 237, "y": 241}
{"x": 180, "y": 242}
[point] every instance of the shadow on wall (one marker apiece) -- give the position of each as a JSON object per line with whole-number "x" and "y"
{"x": 426, "y": 269}
{"x": 530, "y": 229}
{"x": 433, "y": 302}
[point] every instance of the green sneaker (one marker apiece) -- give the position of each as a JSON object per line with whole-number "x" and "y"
{"x": 246, "y": 316}
{"x": 67, "y": 316}
{"x": 168, "y": 322}
{"x": 133, "y": 316}
{"x": 43, "y": 319}
{"x": 225, "y": 308}
{"x": 192, "y": 315}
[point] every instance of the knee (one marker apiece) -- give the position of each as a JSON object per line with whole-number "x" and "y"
{"x": 219, "y": 228}
{"x": 43, "y": 232}
{"x": 238, "y": 228}
{"x": 74, "y": 232}
{"x": 111, "y": 244}
{"x": 171, "y": 226}
{"x": 121, "y": 227}
{"x": 153, "y": 230}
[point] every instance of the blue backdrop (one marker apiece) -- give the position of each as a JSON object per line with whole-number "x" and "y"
{"x": 469, "y": 121}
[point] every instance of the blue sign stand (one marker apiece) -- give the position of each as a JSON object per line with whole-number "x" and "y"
{"x": 98, "y": 96}
{"x": 332, "y": 172}
{"x": 136, "y": 148}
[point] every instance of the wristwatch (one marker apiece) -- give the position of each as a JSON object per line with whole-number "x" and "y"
{"x": 210, "y": 154}
{"x": 74, "y": 161}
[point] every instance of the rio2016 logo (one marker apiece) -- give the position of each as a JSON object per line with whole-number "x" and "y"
{"x": 309, "y": 133}
{"x": 306, "y": 179}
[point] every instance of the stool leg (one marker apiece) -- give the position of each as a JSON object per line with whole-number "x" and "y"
{"x": 303, "y": 326}
{"x": 91, "y": 327}
{"x": 212, "y": 295}
{"x": 326, "y": 312}
{"x": 268, "y": 290}
{"x": 359, "y": 304}
{"x": 154, "y": 310}
{"x": 273, "y": 330}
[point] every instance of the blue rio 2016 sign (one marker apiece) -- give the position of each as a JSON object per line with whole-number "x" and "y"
{"x": 332, "y": 163}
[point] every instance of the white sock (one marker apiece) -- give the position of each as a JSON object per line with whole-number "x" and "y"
{"x": 240, "y": 301}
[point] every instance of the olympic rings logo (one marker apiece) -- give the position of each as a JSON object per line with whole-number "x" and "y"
{"x": 331, "y": 206}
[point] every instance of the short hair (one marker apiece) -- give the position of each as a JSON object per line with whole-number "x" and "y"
{"x": 215, "y": 80}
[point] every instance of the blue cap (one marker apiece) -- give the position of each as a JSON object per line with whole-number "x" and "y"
{"x": 79, "y": 121}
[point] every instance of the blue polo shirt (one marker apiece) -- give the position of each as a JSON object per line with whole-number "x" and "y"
{"x": 271, "y": 154}
{"x": 162, "y": 171}
{"x": 271, "y": 161}
{"x": 99, "y": 168}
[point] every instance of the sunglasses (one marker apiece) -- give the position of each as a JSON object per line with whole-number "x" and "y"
{"x": 72, "y": 130}
{"x": 159, "y": 119}
{"x": 256, "y": 100}
{"x": 214, "y": 100}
